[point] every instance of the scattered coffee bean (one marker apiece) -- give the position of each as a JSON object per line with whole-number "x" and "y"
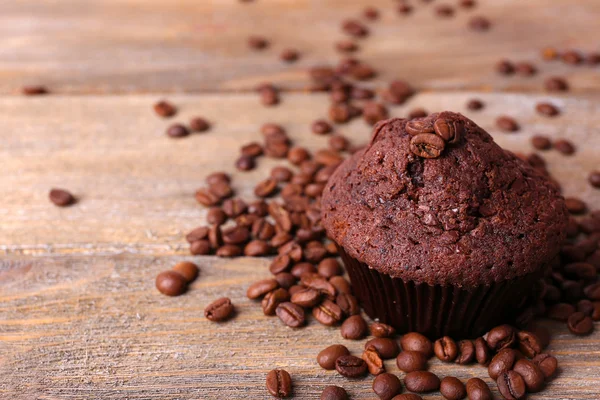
{"x": 346, "y": 46}
{"x": 164, "y": 109}
{"x": 409, "y": 361}
{"x": 541, "y": 142}
{"x": 501, "y": 337}
{"x": 575, "y": 205}
{"x": 387, "y": 348}
{"x": 507, "y": 124}
{"x": 334, "y": 393}
{"x": 355, "y": 28}
{"x": 171, "y": 283}
{"x": 556, "y": 84}
{"x": 477, "y": 389}
{"x": 547, "y": 364}
{"x": 187, "y": 269}
{"x": 594, "y": 179}
{"x": 427, "y": 145}
{"x": 273, "y": 299}
{"x": 416, "y": 342}
{"x": 482, "y": 351}
{"x": 381, "y": 330}
{"x": 511, "y": 385}
{"x": 354, "y": 328}
{"x": 350, "y": 366}
{"x": 502, "y": 362}
{"x": 374, "y": 112}
{"x": 445, "y": 349}
{"x": 529, "y": 344}
{"x": 258, "y": 42}
{"x": 475, "y": 104}
{"x": 34, "y": 90}
{"x": 289, "y": 55}
{"x": 421, "y": 381}
{"x": 547, "y": 109}
{"x": 505, "y": 67}
{"x": 450, "y": 131}
{"x": 200, "y": 247}
{"x": 525, "y": 69}
{"x": 307, "y": 297}
{"x": 580, "y": 324}
{"x": 199, "y": 124}
{"x": 229, "y": 250}
{"x": 386, "y": 386}
{"x": 279, "y": 383}
{"x": 219, "y": 310}
{"x": 466, "y": 352}
{"x": 346, "y": 301}
{"x": 572, "y": 57}
{"x": 260, "y": 288}
{"x": 531, "y": 374}
{"x": 479, "y": 23}
{"x": 177, "y": 131}
{"x": 452, "y": 388}
{"x": 373, "y": 361}
{"x": 321, "y": 127}
{"x": 61, "y": 197}
{"x": 328, "y": 313}
{"x": 327, "y": 357}
{"x": 444, "y": 11}
{"x": 290, "y": 314}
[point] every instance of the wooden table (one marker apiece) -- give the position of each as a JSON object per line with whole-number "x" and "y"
{"x": 79, "y": 314}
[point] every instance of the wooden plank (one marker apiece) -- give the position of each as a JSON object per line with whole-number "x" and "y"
{"x": 81, "y": 326}
{"x": 109, "y": 46}
{"x": 136, "y": 185}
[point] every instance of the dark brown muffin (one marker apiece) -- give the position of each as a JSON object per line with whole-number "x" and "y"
{"x": 473, "y": 224}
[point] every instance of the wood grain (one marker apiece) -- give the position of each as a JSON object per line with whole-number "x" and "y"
{"x": 135, "y": 46}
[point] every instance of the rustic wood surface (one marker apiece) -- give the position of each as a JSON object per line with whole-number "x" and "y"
{"x": 109, "y": 46}
{"x": 79, "y": 315}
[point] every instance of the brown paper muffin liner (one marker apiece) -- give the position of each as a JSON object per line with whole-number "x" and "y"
{"x": 436, "y": 311}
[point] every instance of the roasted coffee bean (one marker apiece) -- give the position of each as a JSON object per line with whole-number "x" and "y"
{"x": 452, "y": 388}
{"x": 547, "y": 109}
{"x": 285, "y": 280}
{"x": 416, "y": 342}
{"x": 575, "y": 205}
{"x": 334, "y": 393}
{"x": 445, "y": 349}
{"x": 502, "y": 362}
{"x": 307, "y": 297}
{"x": 216, "y": 216}
{"x": 350, "y": 366}
{"x": 321, "y": 127}
{"x": 427, "y": 145}
{"x": 256, "y": 248}
{"x": 303, "y": 268}
{"x": 387, "y": 348}
{"x": 572, "y": 57}
{"x": 525, "y": 69}
{"x": 260, "y": 288}
{"x": 556, "y": 84}
{"x": 279, "y": 383}
{"x": 338, "y": 142}
{"x": 586, "y": 307}
{"x": 281, "y": 216}
{"x": 560, "y": 311}
{"x": 373, "y": 361}
{"x": 450, "y": 131}
{"x": 164, "y": 109}
{"x": 531, "y": 374}
{"x": 290, "y": 314}
{"x": 236, "y": 235}
{"x": 529, "y": 344}
{"x": 273, "y": 299}
{"x": 206, "y": 197}
{"x": 346, "y": 301}
{"x": 581, "y": 270}
{"x": 594, "y": 179}
{"x": 187, "y": 269}
{"x": 199, "y": 124}
{"x": 245, "y": 163}
{"x": 354, "y": 328}
{"x": 444, "y": 10}
{"x": 592, "y": 291}
{"x": 61, "y": 197}
{"x": 279, "y": 264}
{"x": 386, "y": 386}
{"x": 229, "y": 250}
{"x": 257, "y": 42}
{"x": 214, "y": 236}
{"x": 501, "y": 337}
{"x": 381, "y": 330}
{"x": 328, "y": 313}
{"x": 200, "y": 247}
{"x": 34, "y": 90}
{"x": 466, "y": 352}
{"x": 417, "y": 113}
{"x": 547, "y": 364}
{"x": 580, "y": 324}
{"x": 197, "y": 234}
{"x": 265, "y": 188}
{"x": 329, "y": 267}
{"x": 271, "y": 129}
{"x": 482, "y": 351}
{"x": 252, "y": 149}
{"x": 507, "y": 124}
{"x": 505, "y": 67}
{"x": 417, "y": 126}
{"x": 216, "y": 177}
{"x": 346, "y": 46}
{"x": 541, "y": 142}
{"x": 327, "y": 357}
{"x": 340, "y": 113}
{"x": 421, "y": 381}
{"x": 177, "y": 131}
{"x": 354, "y": 28}
{"x": 475, "y": 104}
{"x": 479, "y": 23}
{"x": 511, "y": 385}
{"x": 281, "y": 174}
{"x": 263, "y": 230}
{"x": 409, "y": 361}
{"x": 319, "y": 283}
{"x": 289, "y": 55}
{"x": 374, "y": 112}
{"x": 234, "y": 207}
{"x": 371, "y": 13}
{"x": 219, "y": 310}
{"x": 564, "y": 147}
{"x": 171, "y": 283}
{"x": 477, "y": 389}
{"x": 341, "y": 285}
{"x": 297, "y": 155}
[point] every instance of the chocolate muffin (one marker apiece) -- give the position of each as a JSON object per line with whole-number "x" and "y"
{"x": 442, "y": 231}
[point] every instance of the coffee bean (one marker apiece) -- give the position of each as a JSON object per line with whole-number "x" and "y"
{"x": 479, "y": 23}
{"x": 273, "y": 299}
{"x": 216, "y": 177}
{"x": 547, "y": 364}
{"x": 466, "y": 352}
{"x": 350, "y": 366}
{"x": 381, "y": 330}
{"x": 235, "y": 235}
{"x": 417, "y": 126}
{"x": 450, "y": 131}
{"x": 452, "y": 388}
{"x": 445, "y": 349}
{"x": 197, "y": 234}
{"x": 531, "y": 374}
{"x": 216, "y": 216}
{"x": 541, "y": 142}
{"x": 229, "y": 250}
{"x": 444, "y": 10}
{"x": 505, "y": 67}
{"x": 525, "y": 69}
{"x": 387, "y": 348}
{"x": 252, "y": 149}
{"x": 354, "y": 28}
{"x": 279, "y": 383}
{"x": 511, "y": 385}
{"x": 371, "y": 13}
{"x": 206, "y": 197}
{"x": 187, "y": 269}
{"x": 560, "y": 311}
{"x": 279, "y": 264}
{"x": 245, "y": 163}
{"x": 373, "y": 361}
{"x": 475, "y": 104}
{"x": 417, "y": 342}
{"x": 354, "y": 328}
{"x": 529, "y": 344}
{"x": 258, "y": 42}
{"x": 307, "y": 297}
{"x": 199, "y": 124}
{"x": 177, "y": 131}
{"x": 164, "y": 109}
{"x": 285, "y": 280}
{"x": 214, "y": 236}
{"x": 507, "y": 124}
{"x": 171, "y": 283}
{"x": 289, "y": 55}
{"x": 340, "y": 113}
{"x": 409, "y": 361}
{"x": 586, "y": 307}
{"x": 572, "y": 57}
{"x": 501, "y": 337}
{"x": 556, "y": 84}
{"x": 374, "y": 112}
{"x": 290, "y": 314}
{"x": 482, "y": 351}
{"x": 328, "y": 313}
{"x": 594, "y": 179}
{"x": 346, "y": 46}
{"x": 219, "y": 310}
{"x": 547, "y": 109}
{"x": 477, "y": 389}
{"x": 334, "y": 393}
{"x": 404, "y": 8}
{"x": 303, "y": 268}
{"x": 502, "y": 362}
{"x": 346, "y": 301}
{"x": 260, "y": 288}
{"x": 427, "y": 145}
{"x": 200, "y": 247}
{"x": 61, "y": 197}
{"x": 327, "y": 357}
{"x": 329, "y": 267}
{"x": 575, "y": 205}
{"x": 34, "y": 90}
{"x": 581, "y": 270}
{"x": 580, "y": 324}
{"x": 257, "y": 248}
{"x": 421, "y": 381}
{"x": 592, "y": 291}
{"x": 386, "y": 386}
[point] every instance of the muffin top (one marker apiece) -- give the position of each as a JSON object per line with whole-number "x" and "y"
{"x": 457, "y": 211}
